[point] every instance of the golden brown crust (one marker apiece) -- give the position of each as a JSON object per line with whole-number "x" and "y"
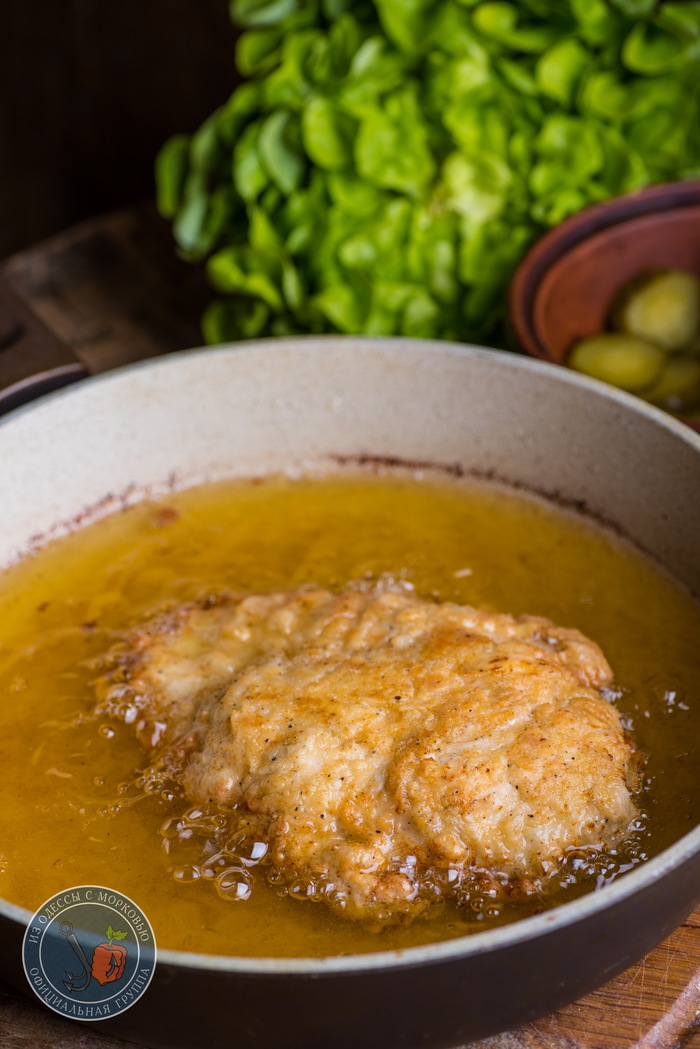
{"x": 379, "y": 740}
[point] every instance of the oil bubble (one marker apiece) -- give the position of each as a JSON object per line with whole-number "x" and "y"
{"x": 171, "y": 828}
{"x": 186, "y": 874}
{"x": 233, "y": 883}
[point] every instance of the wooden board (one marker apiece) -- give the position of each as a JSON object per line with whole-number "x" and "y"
{"x": 113, "y": 291}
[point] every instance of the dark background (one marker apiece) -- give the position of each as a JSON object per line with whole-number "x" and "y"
{"x": 89, "y": 91}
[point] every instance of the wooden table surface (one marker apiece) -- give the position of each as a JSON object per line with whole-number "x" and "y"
{"x": 113, "y": 291}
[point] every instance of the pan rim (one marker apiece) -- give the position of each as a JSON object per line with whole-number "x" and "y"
{"x": 363, "y": 344}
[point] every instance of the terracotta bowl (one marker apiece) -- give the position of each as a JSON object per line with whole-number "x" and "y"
{"x": 565, "y": 287}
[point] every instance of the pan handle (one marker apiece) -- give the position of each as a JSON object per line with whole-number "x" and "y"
{"x": 33, "y": 360}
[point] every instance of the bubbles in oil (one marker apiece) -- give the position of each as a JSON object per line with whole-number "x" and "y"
{"x": 203, "y": 837}
{"x": 227, "y": 850}
{"x": 667, "y": 693}
{"x": 155, "y": 781}
{"x": 590, "y": 867}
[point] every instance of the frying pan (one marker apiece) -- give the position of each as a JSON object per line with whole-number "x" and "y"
{"x": 266, "y": 406}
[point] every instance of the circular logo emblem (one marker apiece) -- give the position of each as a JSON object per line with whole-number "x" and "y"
{"x": 89, "y": 952}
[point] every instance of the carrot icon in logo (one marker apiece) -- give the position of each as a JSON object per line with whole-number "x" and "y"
{"x": 109, "y": 959}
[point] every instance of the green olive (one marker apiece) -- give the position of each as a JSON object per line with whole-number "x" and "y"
{"x": 622, "y": 360}
{"x": 678, "y": 386}
{"x": 663, "y": 308}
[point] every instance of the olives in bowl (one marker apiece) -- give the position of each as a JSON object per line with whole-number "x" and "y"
{"x": 653, "y": 347}
{"x": 613, "y": 291}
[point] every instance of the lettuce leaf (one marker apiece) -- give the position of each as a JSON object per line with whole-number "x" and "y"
{"x": 387, "y": 163}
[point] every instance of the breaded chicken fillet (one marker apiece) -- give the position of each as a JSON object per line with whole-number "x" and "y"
{"x": 377, "y": 740}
